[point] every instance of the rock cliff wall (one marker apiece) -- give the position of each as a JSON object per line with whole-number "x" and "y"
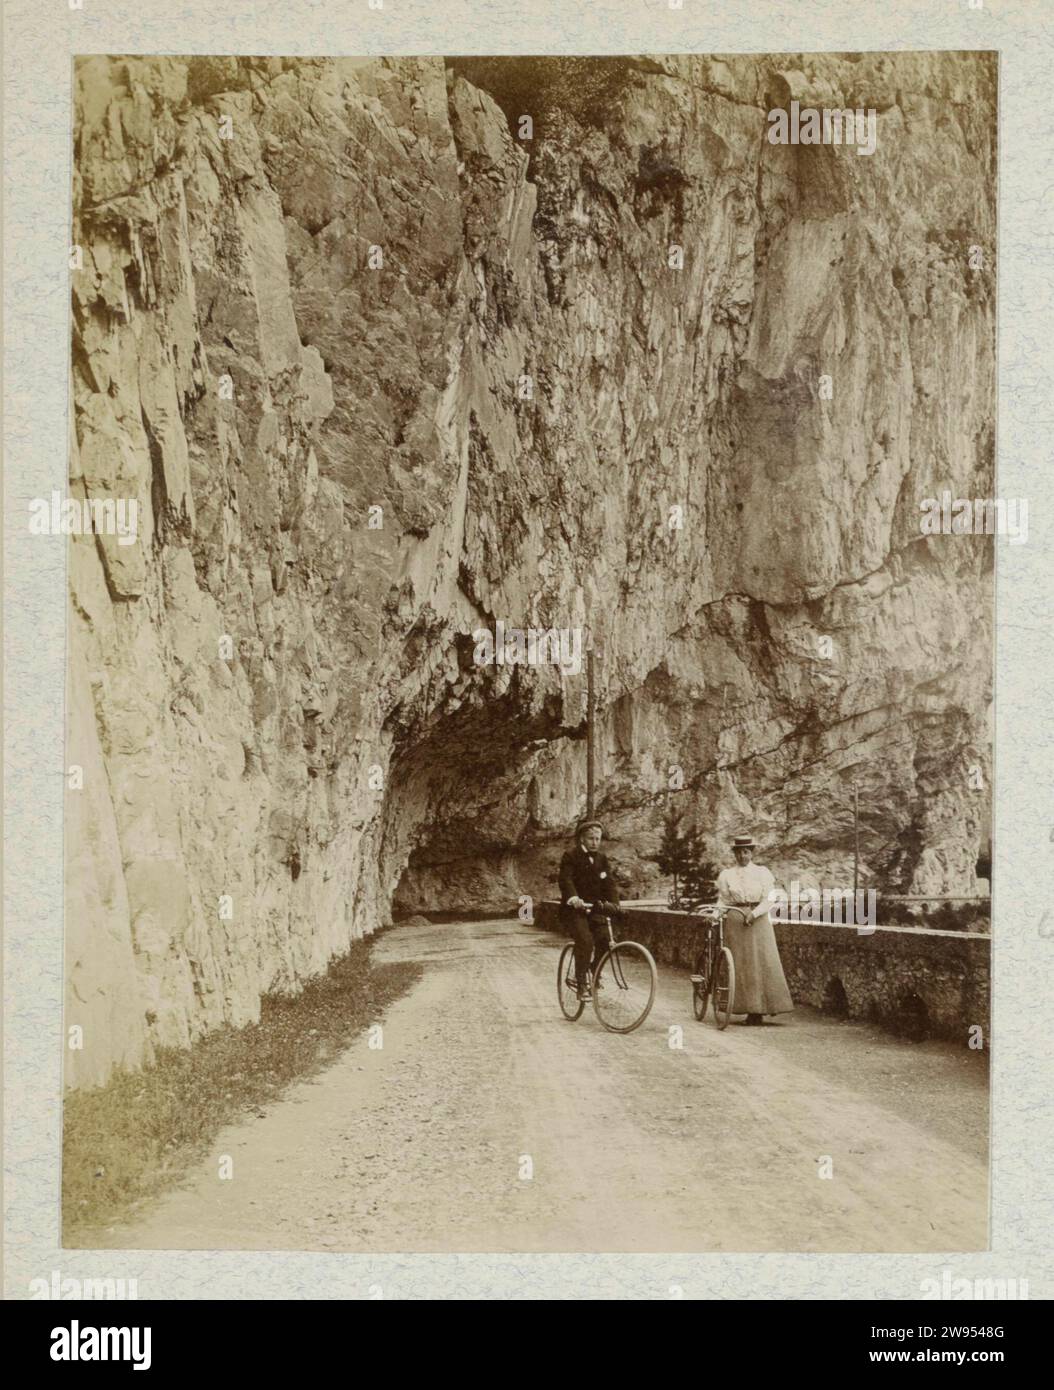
{"x": 274, "y": 701}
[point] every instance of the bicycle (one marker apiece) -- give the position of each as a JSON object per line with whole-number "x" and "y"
{"x": 715, "y": 970}
{"x": 624, "y": 982}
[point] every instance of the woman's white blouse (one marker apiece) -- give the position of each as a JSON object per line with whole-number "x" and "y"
{"x": 751, "y": 883}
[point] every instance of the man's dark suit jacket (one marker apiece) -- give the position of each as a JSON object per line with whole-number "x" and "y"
{"x": 586, "y": 876}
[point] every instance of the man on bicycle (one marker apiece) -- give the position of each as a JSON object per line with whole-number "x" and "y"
{"x": 586, "y": 877}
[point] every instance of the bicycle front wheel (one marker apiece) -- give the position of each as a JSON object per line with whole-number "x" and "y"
{"x": 724, "y": 987}
{"x": 567, "y": 986}
{"x": 701, "y": 985}
{"x": 624, "y": 987}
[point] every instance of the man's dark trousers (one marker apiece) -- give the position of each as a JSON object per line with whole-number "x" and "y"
{"x": 590, "y": 938}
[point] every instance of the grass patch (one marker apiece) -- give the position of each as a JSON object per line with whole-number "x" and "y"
{"x": 125, "y": 1142}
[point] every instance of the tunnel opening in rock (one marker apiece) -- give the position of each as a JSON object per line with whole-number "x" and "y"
{"x": 586, "y": 88}
{"x": 461, "y": 835}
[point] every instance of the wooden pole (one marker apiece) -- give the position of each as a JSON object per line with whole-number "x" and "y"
{"x": 590, "y": 736}
{"x": 856, "y": 838}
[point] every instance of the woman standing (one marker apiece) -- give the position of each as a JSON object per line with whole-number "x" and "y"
{"x": 761, "y": 986}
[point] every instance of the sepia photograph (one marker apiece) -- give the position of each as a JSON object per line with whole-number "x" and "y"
{"x": 530, "y": 541}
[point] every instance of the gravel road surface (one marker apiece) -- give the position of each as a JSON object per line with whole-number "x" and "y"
{"x": 487, "y": 1122}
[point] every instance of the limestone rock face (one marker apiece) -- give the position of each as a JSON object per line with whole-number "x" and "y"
{"x": 380, "y": 373}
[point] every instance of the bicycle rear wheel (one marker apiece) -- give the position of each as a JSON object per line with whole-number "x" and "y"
{"x": 724, "y": 987}
{"x": 567, "y": 986}
{"x": 624, "y": 987}
{"x": 701, "y": 983}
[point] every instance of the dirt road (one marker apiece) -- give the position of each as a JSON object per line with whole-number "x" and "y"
{"x": 488, "y": 1122}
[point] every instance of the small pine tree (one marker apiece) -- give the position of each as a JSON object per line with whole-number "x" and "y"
{"x": 671, "y": 857}
{"x": 680, "y": 854}
{"x": 700, "y": 884}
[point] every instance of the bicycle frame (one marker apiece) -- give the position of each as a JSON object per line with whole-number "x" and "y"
{"x": 715, "y": 937}
{"x": 615, "y": 959}
{"x": 616, "y": 968}
{"x": 616, "y": 964}
{"x": 612, "y": 960}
